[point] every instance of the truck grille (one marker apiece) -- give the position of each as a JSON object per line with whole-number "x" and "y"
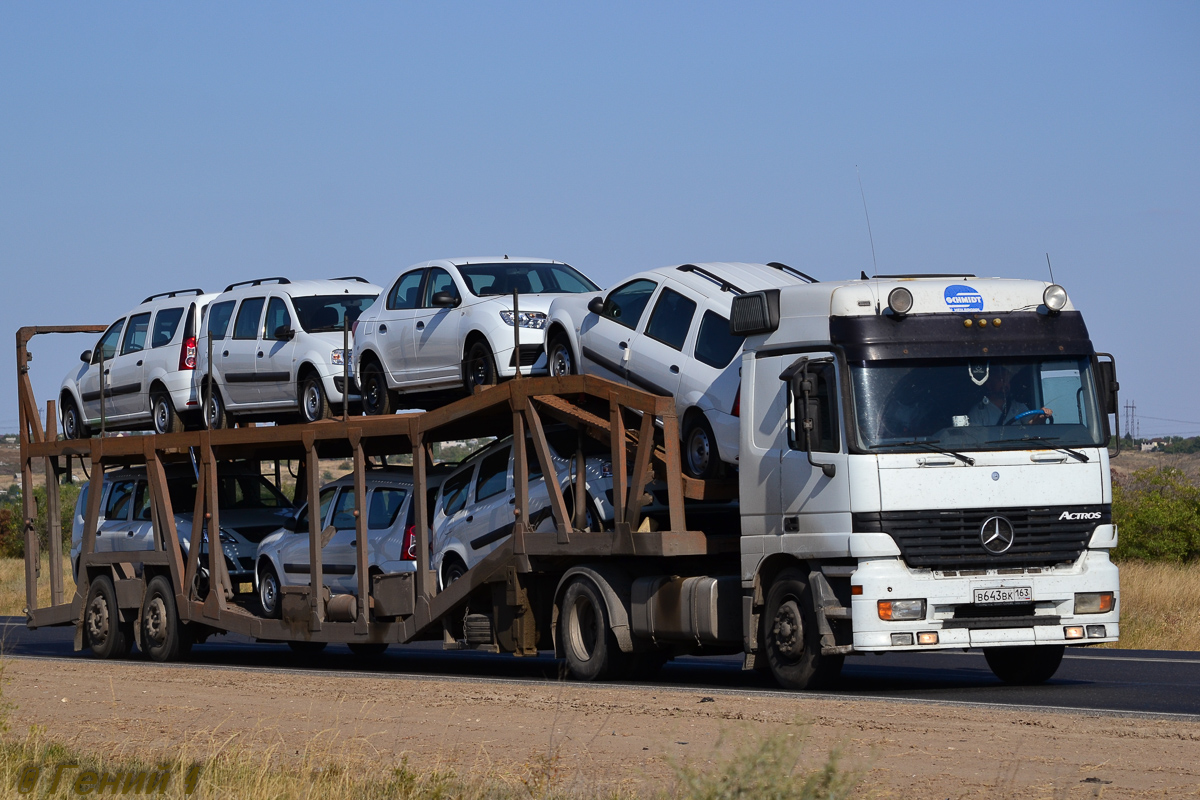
{"x": 949, "y": 539}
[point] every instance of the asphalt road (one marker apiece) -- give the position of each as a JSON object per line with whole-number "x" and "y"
{"x": 1118, "y": 682}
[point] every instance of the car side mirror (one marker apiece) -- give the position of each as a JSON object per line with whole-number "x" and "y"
{"x": 86, "y": 356}
{"x": 596, "y": 306}
{"x": 285, "y": 333}
{"x": 445, "y": 300}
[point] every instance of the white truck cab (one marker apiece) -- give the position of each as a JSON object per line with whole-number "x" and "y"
{"x": 924, "y": 466}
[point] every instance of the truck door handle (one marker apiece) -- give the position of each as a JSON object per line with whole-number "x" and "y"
{"x": 420, "y": 326}
{"x": 383, "y": 328}
{"x": 675, "y": 368}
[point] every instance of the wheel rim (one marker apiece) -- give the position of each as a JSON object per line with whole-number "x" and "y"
{"x": 268, "y": 593}
{"x": 560, "y": 361}
{"x": 214, "y": 411}
{"x": 161, "y": 415}
{"x": 312, "y": 401}
{"x": 155, "y": 628}
{"x": 581, "y": 628}
{"x": 699, "y": 451}
{"x": 372, "y": 394}
{"x": 787, "y": 631}
{"x": 480, "y": 372}
{"x": 453, "y": 573}
{"x": 70, "y": 424}
{"x": 98, "y": 621}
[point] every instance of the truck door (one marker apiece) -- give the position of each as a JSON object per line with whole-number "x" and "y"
{"x": 813, "y": 501}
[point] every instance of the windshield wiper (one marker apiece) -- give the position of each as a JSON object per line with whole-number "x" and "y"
{"x": 932, "y": 445}
{"x": 1075, "y": 454}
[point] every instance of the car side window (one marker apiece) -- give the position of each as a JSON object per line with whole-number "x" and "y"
{"x": 141, "y": 503}
{"x": 454, "y": 492}
{"x": 166, "y": 322}
{"x": 135, "y": 333}
{"x": 277, "y": 316}
{"x": 406, "y": 292}
{"x": 218, "y": 319}
{"x": 625, "y": 304}
{"x": 385, "y": 505}
{"x": 119, "y": 501}
{"x": 343, "y": 510}
{"x": 493, "y": 475}
{"x": 671, "y": 319}
{"x": 326, "y": 497}
{"x": 715, "y": 345}
{"x": 246, "y": 326}
{"x": 439, "y": 281}
{"x": 108, "y": 342}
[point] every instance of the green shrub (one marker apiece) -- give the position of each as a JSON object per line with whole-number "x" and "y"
{"x": 12, "y": 520}
{"x": 1157, "y": 511}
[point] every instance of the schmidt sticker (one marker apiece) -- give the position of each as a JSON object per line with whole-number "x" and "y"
{"x": 963, "y": 298}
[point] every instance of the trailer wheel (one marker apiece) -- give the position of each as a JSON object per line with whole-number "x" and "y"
{"x": 1024, "y": 666}
{"x": 107, "y": 636}
{"x": 307, "y": 649}
{"x": 163, "y": 635}
{"x": 790, "y": 636}
{"x": 586, "y": 635}
{"x": 368, "y": 650}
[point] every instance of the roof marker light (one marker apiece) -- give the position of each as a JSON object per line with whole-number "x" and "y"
{"x": 1055, "y": 297}
{"x": 900, "y": 301}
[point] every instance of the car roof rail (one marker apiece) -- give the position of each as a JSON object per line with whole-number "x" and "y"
{"x": 175, "y": 293}
{"x": 792, "y": 271}
{"x": 725, "y": 285}
{"x": 928, "y": 275}
{"x": 350, "y": 278}
{"x": 256, "y": 282}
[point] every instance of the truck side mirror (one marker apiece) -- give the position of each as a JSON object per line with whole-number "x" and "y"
{"x": 85, "y": 356}
{"x": 285, "y": 333}
{"x": 445, "y": 300}
{"x": 596, "y": 306}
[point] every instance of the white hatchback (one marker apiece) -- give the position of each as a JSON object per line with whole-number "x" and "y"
{"x": 667, "y": 331}
{"x": 148, "y": 358}
{"x": 449, "y": 324}
{"x": 279, "y": 347}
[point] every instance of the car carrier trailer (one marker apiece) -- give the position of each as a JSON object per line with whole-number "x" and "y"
{"x": 927, "y": 475}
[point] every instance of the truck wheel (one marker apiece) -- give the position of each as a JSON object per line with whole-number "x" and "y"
{"x": 561, "y": 362}
{"x": 376, "y": 397}
{"x": 314, "y": 404}
{"x": 479, "y": 367}
{"x": 1024, "y": 666}
{"x": 368, "y": 650}
{"x": 268, "y": 592}
{"x": 72, "y": 421}
{"x": 587, "y": 639}
{"x": 700, "y": 457}
{"x": 166, "y": 420}
{"x": 790, "y": 636}
{"x": 106, "y": 635}
{"x": 163, "y": 635}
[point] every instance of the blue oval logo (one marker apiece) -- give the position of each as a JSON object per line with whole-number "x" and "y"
{"x": 960, "y": 297}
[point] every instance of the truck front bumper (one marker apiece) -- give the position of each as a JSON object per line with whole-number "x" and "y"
{"x": 956, "y": 621}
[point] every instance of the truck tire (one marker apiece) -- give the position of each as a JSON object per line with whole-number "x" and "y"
{"x": 106, "y": 635}
{"x": 1024, "y": 666}
{"x": 376, "y": 397}
{"x": 164, "y": 637}
{"x": 790, "y": 636}
{"x": 586, "y": 633}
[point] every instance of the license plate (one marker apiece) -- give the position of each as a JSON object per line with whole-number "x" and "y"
{"x": 1010, "y": 594}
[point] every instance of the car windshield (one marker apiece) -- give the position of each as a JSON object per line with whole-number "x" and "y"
{"x": 234, "y": 492}
{"x": 486, "y": 280}
{"x": 976, "y": 404}
{"x": 329, "y": 312}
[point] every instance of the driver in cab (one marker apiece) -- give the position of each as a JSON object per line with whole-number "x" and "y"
{"x": 998, "y": 406}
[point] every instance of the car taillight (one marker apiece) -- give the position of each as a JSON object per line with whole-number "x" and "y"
{"x": 409, "y": 550}
{"x": 187, "y": 353}
{"x": 354, "y": 327}
{"x": 737, "y": 402}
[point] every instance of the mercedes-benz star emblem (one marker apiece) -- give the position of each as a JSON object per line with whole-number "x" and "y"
{"x": 996, "y": 535}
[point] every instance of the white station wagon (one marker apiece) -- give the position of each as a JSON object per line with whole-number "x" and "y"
{"x": 667, "y": 331}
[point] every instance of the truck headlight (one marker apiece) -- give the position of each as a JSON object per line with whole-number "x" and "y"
{"x": 901, "y": 610}
{"x": 1055, "y": 297}
{"x": 1093, "y": 602}
{"x": 528, "y": 319}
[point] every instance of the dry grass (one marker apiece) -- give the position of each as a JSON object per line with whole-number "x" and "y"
{"x": 12, "y": 585}
{"x": 1160, "y": 606}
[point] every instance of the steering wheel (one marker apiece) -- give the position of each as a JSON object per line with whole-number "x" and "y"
{"x": 1033, "y": 412}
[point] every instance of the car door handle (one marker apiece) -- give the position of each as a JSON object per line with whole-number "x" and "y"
{"x": 225, "y": 354}
{"x": 354, "y": 542}
{"x": 512, "y": 501}
{"x": 383, "y": 329}
{"x": 260, "y": 354}
{"x": 139, "y": 363}
{"x": 420, "y": 326}
{"x": 675, "y": 368}
{"x": 624, "y": 345}
{"x": 129, "y": 533}
{"x": 471, "y": 518}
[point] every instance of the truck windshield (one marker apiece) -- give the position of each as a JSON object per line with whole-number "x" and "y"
{"x": 328, "y": 312}
{"x": 976, "y": 404}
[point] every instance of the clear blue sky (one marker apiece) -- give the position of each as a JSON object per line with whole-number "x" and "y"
{"x": 146, "y": 147}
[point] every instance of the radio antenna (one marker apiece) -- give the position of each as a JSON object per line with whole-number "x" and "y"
{"x": 868, "y": 216}
{"x": 1050, "y": 267}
